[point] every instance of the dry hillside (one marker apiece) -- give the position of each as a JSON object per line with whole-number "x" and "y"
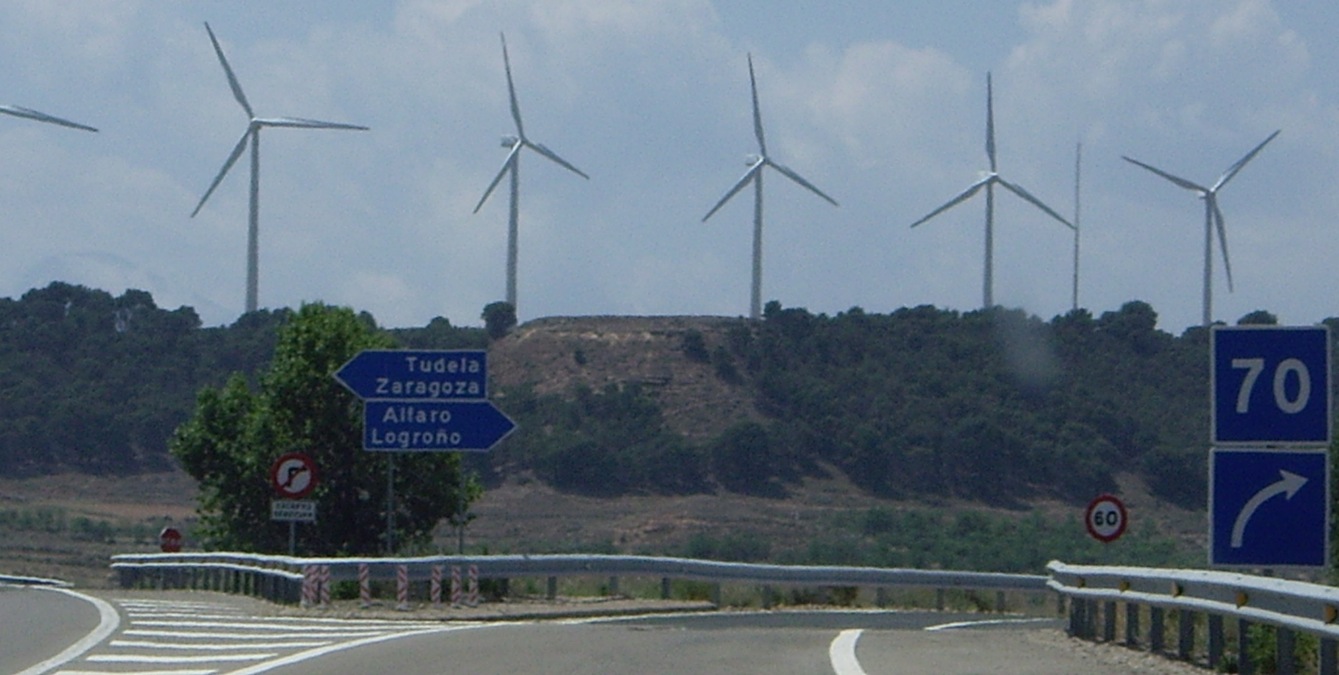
{"x": 554, "y": 355}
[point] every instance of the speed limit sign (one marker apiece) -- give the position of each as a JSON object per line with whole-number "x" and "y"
{"x": 1106, "y": 518}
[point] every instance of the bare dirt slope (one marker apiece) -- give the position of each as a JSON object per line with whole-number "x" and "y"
{"x": 555, "y": 355}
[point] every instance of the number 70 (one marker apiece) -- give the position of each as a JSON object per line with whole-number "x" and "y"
{"x": 1288, "y": 404}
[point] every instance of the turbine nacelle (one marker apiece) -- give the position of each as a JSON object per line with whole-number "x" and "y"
{"x": 509, "y": 140}
{"x": 752, "y": 158}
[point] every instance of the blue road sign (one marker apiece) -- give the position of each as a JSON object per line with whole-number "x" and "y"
{"x": 1270, "y": 385}
{"x": 1269, "y": 508}
{"x": 433, "y": 426}
{"x": 417, "y": 375}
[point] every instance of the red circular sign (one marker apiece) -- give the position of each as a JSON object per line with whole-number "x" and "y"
{"x": 169, "y": 540}
{"x": 1106, "y": 518}
{"x": 293, "y": 475}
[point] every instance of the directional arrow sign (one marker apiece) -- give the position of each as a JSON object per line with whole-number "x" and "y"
{"x": 417, "y": 375}
{"x": 433, "y": 426}
{"x": 1269, "y": 508}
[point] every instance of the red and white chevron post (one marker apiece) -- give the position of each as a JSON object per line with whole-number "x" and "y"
{"x": 435, "y": 591}
{"x": 402, "y": 587}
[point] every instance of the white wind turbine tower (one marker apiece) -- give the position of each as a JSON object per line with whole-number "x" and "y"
{"x": 754, "y": 174}
{"x": 1213, "y": 218}
{"x": 512, "y": 165}
{"x": 252, "y": 134}
{"x": 1078, "y": 169}
{"x": 988, "y": 182}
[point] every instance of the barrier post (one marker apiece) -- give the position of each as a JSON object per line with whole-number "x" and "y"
{"x": 364, "y": 585}
{"x": 455, "y": 586}
{"x": 435, "y": 591}
{"x": 1131, "y": 624}
{"x": 325, "y": 585}
{"x": 1215, "y": 640}
{"x": 402, "y": 587}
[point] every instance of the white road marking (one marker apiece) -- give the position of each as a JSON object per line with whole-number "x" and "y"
{"x": 985, "y": 622}
{"x": 147, "y": 644}
{"x": 842, "y": 653}
{"x": 108, "y": 621}
{"x": 322, "y": 651}
{"x": 210, "y": 635}
{"x": 149, "y": 658}
{"x": 122, "y": 672}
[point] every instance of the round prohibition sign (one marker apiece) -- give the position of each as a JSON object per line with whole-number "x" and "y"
{"x": 1106, "y": 518}
{"x": 293, "y": 475}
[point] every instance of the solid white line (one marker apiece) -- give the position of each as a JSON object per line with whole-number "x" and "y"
{"x": 108, "y": 621}
{"x": 842, "y": 653}
{"x": 211, "y": 671}
{"x": 242, "y": 625}
{"x": 146, "y": 658}
{"x": 989, "y": 622}
{"x": 209, "y": 635}
{"x": 145, "y": 644}
{"x": 330, "y": 649}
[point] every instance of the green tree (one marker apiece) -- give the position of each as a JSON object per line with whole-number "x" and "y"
{"x": 499, "y": 318}
{"x": 236, "y": 434}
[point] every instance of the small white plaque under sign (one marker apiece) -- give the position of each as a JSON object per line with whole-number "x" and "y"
{"x": 293, "y": 510}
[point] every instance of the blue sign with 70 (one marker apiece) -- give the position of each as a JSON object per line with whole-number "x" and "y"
{"x": 1270, "y": 385}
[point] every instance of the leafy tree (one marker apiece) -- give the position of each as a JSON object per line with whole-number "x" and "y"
{"x": 236, "y": 434}
{"x": 1259, "y": 317}
{"x": 499, "y": 318}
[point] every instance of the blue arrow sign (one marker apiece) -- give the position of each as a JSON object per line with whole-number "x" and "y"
{"x": 417, "y": 375}
{"x": 1269, "y": 508}
{"x": 1270, "y": 385}
{"x": 433, "y": 426}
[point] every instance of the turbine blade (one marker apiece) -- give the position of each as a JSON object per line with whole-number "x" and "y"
{"x": 511, "y": 89}
{"x": 1175, "y": 179}
{"x": 757, "y": 114}
{"x": 539, "y": 147}
{"x": 232, "y": 79}
{"x": 232, "y": 159}
{"x": 29, "y": 113}
{"x": 990, "y": 123}
{"x": 799, "y": 179}
{"x": 1232, "y": 170}
{"x": 1018, "y": 190}
{"x": 739, "y": 185}
{"x": 962, "y": 197}
{"x": 1221, "y": 224}
{"x": 305, "y": 123}
{"x": 507, "y": 165}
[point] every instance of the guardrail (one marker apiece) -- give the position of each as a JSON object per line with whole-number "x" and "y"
{"x": 282, "y": 578}
{"x": 1199, "y": 602}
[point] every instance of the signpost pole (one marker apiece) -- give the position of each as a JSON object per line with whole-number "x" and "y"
{"x": 390, "y": 503}
{"x": 462, "y": 504}
{"x": 292, "y": 538}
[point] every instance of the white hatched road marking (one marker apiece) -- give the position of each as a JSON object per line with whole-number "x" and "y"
{"x": 167, "y": 637}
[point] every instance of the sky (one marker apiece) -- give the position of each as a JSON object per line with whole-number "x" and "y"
{"x": 881, "y": 105}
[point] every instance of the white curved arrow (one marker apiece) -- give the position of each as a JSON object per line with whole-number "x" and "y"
{"x": 1288, "y": 485}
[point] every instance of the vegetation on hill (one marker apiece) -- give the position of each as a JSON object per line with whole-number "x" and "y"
{"x": 994, "y": 406}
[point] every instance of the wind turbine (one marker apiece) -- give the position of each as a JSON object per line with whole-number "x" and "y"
{"x": 1078, "y": 171}
{"x": 989, "y": 181}
{"x": 754, "y": 174}
{"x": 252, "y": 135}
{"x": 1213, "y": 218}
{"x": 512, "y": 165}
{"x": 29, "y": 113}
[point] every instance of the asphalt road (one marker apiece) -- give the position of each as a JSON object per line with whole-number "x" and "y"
{"x": 36, "y": 624}
{"x": 215, "y": 633}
